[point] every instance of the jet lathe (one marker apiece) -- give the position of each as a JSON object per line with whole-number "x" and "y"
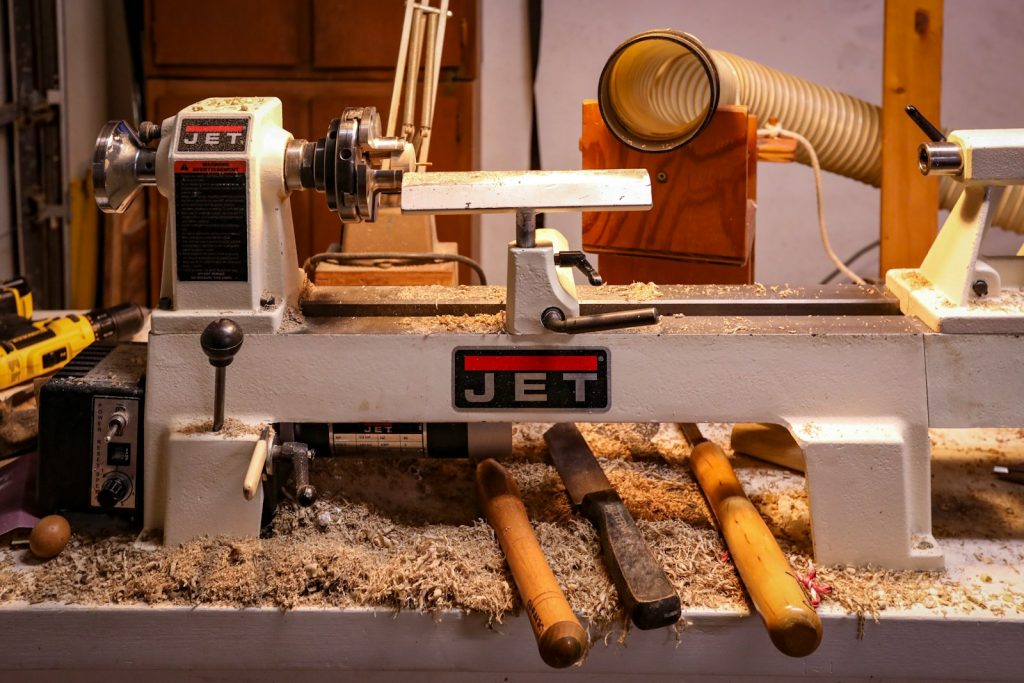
{"x": 856, "y": 382}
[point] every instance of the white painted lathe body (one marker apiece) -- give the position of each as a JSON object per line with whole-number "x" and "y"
{"x": 858, "y": 392}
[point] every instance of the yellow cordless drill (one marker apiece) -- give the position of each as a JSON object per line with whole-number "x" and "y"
{"x": 30, "y": 348}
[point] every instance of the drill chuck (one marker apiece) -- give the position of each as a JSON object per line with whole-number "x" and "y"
{"x": 119, "y": 322}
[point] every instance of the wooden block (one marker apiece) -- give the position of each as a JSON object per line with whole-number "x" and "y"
{"x": 428, "y": 274}
{"x": 703, "y": 193}
{"x": 912, "y": 75}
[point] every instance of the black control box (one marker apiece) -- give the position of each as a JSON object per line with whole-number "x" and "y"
{"x": 91, "y": 417}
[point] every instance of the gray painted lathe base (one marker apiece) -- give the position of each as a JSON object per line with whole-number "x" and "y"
{"x": 902, "y": 645}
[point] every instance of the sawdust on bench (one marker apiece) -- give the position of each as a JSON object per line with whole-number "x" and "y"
{"x": 447, "y": 294}
{"x": 233, "y": 428}
{"x": 408, "y": 535}
{"x": 484, "y": 323}
{"x": 637, "y": 291}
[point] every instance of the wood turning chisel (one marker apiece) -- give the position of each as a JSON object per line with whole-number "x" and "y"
{"x": 561, "y": 639}
{"x": 792, "y": 623}
{"x": 648, "y": 596}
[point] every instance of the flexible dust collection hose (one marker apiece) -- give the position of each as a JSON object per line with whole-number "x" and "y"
{"x": 660, "y": 89}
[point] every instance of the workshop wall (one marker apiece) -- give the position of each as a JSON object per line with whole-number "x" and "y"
{"x": 836, "y": 43}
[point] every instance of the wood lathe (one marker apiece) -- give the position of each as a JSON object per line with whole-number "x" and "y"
{"x": 855, "y": 381}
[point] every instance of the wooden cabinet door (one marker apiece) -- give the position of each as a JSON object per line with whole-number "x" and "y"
{"x": 355, "y": 34}
{"x": 226, "y": 32}
{"x": 293, "y": 39}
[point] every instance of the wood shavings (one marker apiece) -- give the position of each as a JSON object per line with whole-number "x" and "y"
{"x": 233, "y": 428}
{"x": 785, "y": 291}
{"x": 408, "y": 535}
{"x": 293, "y": 319}
{"x": 441, "y": 293}
{"x": 637, "y": 291}
{"x": 438, "y": 324}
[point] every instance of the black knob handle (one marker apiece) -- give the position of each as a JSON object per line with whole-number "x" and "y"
{"x": 115, "y": 489}
{"x": 221, "y": 340}
{"x": 149, "y": 131}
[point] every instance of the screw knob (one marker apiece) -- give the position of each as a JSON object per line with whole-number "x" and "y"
{"x": 306, "y": 495}
{"x": 221, "y": 340}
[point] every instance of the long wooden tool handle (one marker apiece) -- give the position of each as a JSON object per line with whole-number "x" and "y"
{"x": 792, "y": 623}
{"x": 561, "y": 639}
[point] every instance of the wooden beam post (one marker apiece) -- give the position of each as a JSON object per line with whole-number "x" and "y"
{"x": 912, "y": 75}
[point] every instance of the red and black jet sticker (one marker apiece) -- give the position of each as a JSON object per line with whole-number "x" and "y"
{"x": 213, "y": 135}
{"x": 530, "y": 379}
{"x": 211, "y": 220}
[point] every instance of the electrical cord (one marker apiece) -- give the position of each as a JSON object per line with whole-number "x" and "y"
{"x": 849, "y": 262}
{"x": 388, "y": 259}
{"x": 775, "y": 130}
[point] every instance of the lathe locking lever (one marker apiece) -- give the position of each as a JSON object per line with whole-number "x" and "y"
{"x": 221, "y": 340}
{"x": 578, "y": 260}
{"x": 555, "y": 320}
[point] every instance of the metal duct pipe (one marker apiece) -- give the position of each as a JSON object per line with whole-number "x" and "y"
{"x": 660, "y": 89}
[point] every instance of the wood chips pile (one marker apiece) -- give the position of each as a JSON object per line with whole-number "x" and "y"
{"x": 408, "y": 535}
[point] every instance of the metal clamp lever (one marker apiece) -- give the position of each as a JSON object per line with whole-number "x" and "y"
{"x": 554, "y": 319}
{"x": 300, "y": 456}
{"x": 578, "y": 260}
{"x": 938, "y": 157}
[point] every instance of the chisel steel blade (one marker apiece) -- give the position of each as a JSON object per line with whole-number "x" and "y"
{"x": 575, "y": 462}
{"x": 649, "y": 598}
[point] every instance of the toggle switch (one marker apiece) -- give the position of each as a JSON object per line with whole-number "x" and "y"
{"x": 117, "y": 424}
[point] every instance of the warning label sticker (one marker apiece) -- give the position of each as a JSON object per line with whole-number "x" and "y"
{"x": 213, "y": 135}
{"x": 211, "y": 221}
{"x": 530, "y": 379}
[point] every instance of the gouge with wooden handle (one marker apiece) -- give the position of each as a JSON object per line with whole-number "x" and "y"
{"x": 792, "y": 623}
{"x": 768, "y": 442}
{"x": 561, "y": 639}
{"x": 646, "y": 593}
